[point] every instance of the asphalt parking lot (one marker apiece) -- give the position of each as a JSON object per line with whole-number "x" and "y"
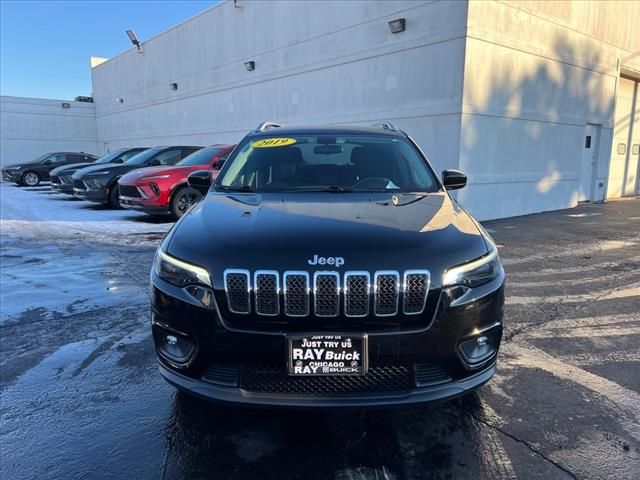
{"x": 81, "y": 397}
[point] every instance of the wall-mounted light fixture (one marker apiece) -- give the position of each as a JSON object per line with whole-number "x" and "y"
{"x": 173, "y": 86}
{"x": 134, "y": 39}
{"x": 66, "y": 105}
{"x": 250, "y": 66}
{"x": 120, "y": 100}
{"x": 398, "y": 25}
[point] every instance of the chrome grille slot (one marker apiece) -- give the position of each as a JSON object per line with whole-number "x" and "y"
{"x": 266, "y": 290}
{"x": 238, "y": 289}
{"x": 356, "y": 294}
{"x": 415, "y": 289}
{"x": 326, "y": 294}
{"x": 296, "y": 294}
{"x": 386, "y": 290}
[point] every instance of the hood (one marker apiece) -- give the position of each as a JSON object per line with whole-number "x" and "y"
{"x": 19, "y": 165}
{"x": 113, "y": 168}
{"x": 69, "y": 169}
{"x": 179, "y": 172}
{"x": 370, "y": 231}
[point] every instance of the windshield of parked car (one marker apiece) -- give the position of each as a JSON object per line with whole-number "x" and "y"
{"x": 142, "y": 157}
{"x": 42, "y": 158}
{"x": 109, "y": 157}
{"x": 201, "y": 157}
{"x": 342, "y": 163}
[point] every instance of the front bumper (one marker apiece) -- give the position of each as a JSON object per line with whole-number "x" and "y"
{"x": 58, "y": 186}
{"x": 10, "y": 176}
{"x": 92, "y": 195}
{"x": 249, "y": 367}
{"x": 427, "y": 394}
{"x": 142, "y": 205}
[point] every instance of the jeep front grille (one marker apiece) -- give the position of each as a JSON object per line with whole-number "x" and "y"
{"x": 326, "y": 293}
{"x": 357, "y": 286}
{"x": 416, "y": 286}
{"x": 386, "y": 291}
{"x": 267, "y": 292}
{"x": 238, "y": 288}
{"x": 296, "y": 294}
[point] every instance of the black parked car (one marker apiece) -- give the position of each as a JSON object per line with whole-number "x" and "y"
{"x": 99, "y": 183}
{"x": 61, "y": 176}
{"x": 327, "y": 267}
{"x": 32, "y": 173}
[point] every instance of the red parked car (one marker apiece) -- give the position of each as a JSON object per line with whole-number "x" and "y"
{"x": 164, "y": 190}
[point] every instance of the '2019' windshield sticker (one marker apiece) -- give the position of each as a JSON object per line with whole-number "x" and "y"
{"x": 273, "y": 142}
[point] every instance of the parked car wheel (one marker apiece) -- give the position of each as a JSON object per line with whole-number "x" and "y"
{"x": 30, "y": 179}
{"x": 182, "y": 200}
{"x": 114, "y": 193}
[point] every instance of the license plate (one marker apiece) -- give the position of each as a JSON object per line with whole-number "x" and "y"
{"x": 327, "y": 355}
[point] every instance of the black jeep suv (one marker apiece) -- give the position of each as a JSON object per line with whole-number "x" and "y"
{"x": 327, "y": 267}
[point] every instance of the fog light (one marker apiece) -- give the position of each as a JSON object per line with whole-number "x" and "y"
{"x": 154, "y": 188}
{"x": 477, "y": 350}
{"x": 176, "y": 348}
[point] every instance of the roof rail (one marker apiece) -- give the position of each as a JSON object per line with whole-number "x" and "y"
{"x": 266, "y": 126}
{"x": 387, "y": 126}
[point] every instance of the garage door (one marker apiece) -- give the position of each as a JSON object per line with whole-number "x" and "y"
{"x": 624, "y": 177}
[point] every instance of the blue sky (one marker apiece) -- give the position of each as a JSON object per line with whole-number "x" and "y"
{"x": 45, "y": 45}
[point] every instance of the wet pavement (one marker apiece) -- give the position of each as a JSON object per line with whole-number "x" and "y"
{"x": 81, "y": 397}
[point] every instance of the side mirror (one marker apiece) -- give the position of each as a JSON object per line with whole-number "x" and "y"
{"x": 453, "y": 179}
{"x": 200, "y": 180}
{"x": 219, "y": 164}
{"x": 155, "y": 163}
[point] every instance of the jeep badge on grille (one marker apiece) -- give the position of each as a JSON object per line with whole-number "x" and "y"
{"x": 316, "y": 260}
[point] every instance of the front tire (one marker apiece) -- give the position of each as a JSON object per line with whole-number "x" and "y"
{"x": 30, "y": 179}
{"x": 182, "y": 199}
{"x": 113, "y": 198}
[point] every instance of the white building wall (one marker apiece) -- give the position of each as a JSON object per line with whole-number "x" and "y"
{"x": 316, "y": 62}
{"x": 502, "y": 90}
{"x": 535, "y": 74}
{"x": 30, "y": 127}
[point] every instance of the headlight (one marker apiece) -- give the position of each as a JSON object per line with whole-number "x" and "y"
{"x": 474, "y": 273}
{"x": 156, "y": 177}
{"x": 179, "y": 273}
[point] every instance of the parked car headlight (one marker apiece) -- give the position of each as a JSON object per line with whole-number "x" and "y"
{"x": 474, "y": 273}
{"x": 178, "y": 272}
{"x": 156, "y": 177}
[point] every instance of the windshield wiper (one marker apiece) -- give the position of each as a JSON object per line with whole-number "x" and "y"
{"x": 324, "y": 188}
{"x": 239, "y": 188}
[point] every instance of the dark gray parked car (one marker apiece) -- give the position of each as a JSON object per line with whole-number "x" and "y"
{"x": 31, "y": 173}
{"x": 61, "y": 176}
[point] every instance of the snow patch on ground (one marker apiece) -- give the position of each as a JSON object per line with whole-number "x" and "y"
{"x": 41, "y": 210}
{"x": 57, "y": 256}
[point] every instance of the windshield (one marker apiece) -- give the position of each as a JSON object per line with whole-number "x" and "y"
{"x": 108, "y": 158}
{"x": 328, "y": 163}
{"x": 42, "y": 157}
{"x": 142, "y": 157}
{"x": 201, "y": 157}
